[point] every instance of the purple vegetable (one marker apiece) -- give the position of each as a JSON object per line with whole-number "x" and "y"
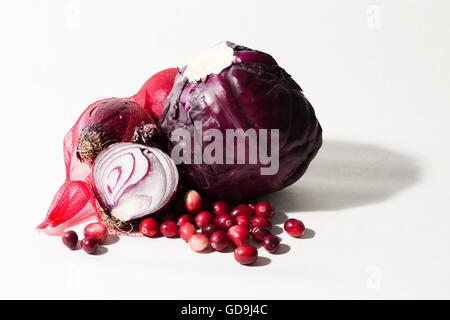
{"x": 113, "y": 120}
{"x": 133, "y": 180}
{"x": 232, "y": 87}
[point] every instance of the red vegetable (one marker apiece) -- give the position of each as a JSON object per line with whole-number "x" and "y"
{"x": 103, "y": 122}
{"x": 133, "y": 180}
{"x": 228, "y": 87}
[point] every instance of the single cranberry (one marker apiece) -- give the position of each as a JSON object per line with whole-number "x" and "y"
{"x": 271, "y": 243}
{"x": 238, "y": 235}
{"x": 203, "y": 217}
{"x": 219, "y": 240}
{"x": 294, "y": 227}
{"x": 220, "y": 207}
{"x": 168, "y": 216}
{"x": 259, "y": 233}
{"x": 168, "y": 229}
{"x": 89, "y": 245}
{"x": 243, "y": 221}
{"x": 209, "y": 229}
{"x": 193, "y": 201}
{"x": 224, "y": 221}
{"x": 261, "y": 222}
{"x": 241, "y": 210}
{"x": 70, "y": 239}
{"x": 264, "y": 209}
{"x": 186, "y": 230}
{"x": 198, "y": 242}
{"x": 245, "y": 254}
{"x": 149, "y": 227}
{"x": 96, "y": 230}
{"x": 185, "y": 218}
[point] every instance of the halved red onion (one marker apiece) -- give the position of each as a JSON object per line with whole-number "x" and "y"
{"x": 134, "y": 180}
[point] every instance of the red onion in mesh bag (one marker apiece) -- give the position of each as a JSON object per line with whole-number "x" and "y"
{"x": 102, "y": 123}
{"x": 134, "y": 180}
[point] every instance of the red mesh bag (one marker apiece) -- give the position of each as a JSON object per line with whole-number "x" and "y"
{"x": 103, "y": 122}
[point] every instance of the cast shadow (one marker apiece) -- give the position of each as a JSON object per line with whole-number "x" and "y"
{"x": 345, "y": 175}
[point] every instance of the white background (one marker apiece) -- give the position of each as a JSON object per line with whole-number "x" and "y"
{"x": 376, "y": 196}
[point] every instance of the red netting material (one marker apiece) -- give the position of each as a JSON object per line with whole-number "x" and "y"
{"x": 74, "y": 202}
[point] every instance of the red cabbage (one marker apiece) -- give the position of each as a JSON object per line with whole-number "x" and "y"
{"x": 232, "y": 87}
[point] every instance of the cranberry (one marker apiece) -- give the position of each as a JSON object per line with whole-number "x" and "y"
{"x": 220, "y": 207}
{"x": 219, "y": 240}
{"x": 209, "y": 229}
{"x": 294, "y": 227}
{"x": 193, "y": 201}
{"x": 185, "y": 218}
{"x": 261, "y": 222}
{"x": 259, "y": 233}
{"x": 245, "y": 254}
{"x": 224, "y": 221}
{"x": 168, "y": 229}
{"x": 264, "y": 209}
{"x": 96, "y": 230}
{"x": 203, "y": 217}
{"x": 241, "y": 210}
{"x": 89, "y": 245}
{"x": 186, "y": 230}
{"x": 271, "y": 243}
{"x": 198, "y": 242}
{"x": 243, "y": 221}
{"x": 168, "y": 216}
{"x": 70, "y": 239}
{"x": 149, "y": 227}
{"x": 238, "y": 235}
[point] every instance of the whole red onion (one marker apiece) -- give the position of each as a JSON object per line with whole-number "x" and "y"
{"x": 113, "y": 120}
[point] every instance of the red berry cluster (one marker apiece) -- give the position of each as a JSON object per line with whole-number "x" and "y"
{"x": 94, "y": 234}
{"x": 219, "y": 225}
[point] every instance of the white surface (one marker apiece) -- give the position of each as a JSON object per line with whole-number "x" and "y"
{"x": 376, "y": 196}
